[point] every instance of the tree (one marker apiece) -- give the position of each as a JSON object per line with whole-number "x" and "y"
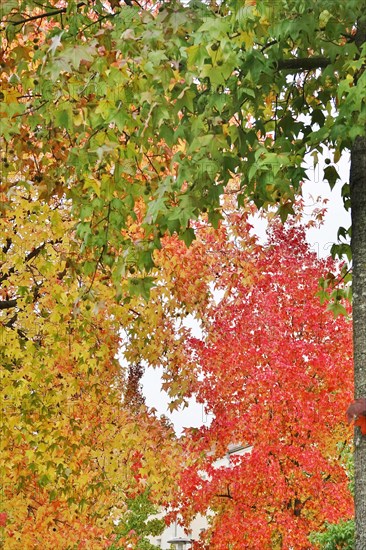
{"x": 274, "y": 369}
{"x": 76, "y": 461}
{"x": 110, "y": 104}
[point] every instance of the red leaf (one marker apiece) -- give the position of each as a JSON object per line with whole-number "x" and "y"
{"x": 3, "y": 518}
{"x": 269, "y": 379}
{"x": 356, "y": 409}
{"x": 361, "y": 421}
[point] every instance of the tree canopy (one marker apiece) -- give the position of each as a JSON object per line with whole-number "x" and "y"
{"x": 74, "y": 456}
{"x": 111, "y": 105}
{"x": 123, "y": 127}
{"x": 274, "y": 367}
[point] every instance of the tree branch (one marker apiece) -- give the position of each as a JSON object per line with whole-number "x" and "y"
{"x": 303, "y": 64}
{"x": 7, "y": 246}
{"x": 28, "y": 257}
{"x": 226, "y": 495}
{"x": 8, "y": 304}
{"x": 43, "y": 15}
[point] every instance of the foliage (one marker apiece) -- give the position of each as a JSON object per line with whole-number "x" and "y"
{"x": 74, "y": 456}
{"x": 164, "y": 104}
{"x": 274, "y": 369}
{"x": 121, "y": 124}
{"x": 139, "y": 521}
{"x": 337, "y": 537}
{"x": 340, "y": 535}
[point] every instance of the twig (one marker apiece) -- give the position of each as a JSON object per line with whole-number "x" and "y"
{"x": 151, "y": 164}
{"x": 42, "y": 15}
{"x": 268, "y": 45}
{"x": 104, "y": 247}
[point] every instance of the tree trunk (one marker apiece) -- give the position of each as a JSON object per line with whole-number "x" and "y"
{"x": 358, "y": 241}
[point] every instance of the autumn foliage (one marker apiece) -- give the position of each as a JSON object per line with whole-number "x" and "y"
{"x": 273, "y": 368}
{"x": 123, "y": 129}
{"x": 74, "y": 450}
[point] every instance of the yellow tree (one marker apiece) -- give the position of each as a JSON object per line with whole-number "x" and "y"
{"x": 73, "y": 455}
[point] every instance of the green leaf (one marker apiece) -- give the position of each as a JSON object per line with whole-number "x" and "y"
{"x": 7, "y": 6}
{"x": 336, "y": 308}
{"x": 214, "y": 218}
{"x": 331, "y": 175}
{"x": 285, "y": 210}
{"x": 63, "y": 119}
{"x": 188, "y": 236}
{"x": 73, "y": 54}
{"x": 141, "y": 286}
{"x": 146, "y": 261}
{"x": 340, "y": 250}
{"x": 43, "y": 480}
{"x": 89, "y": 268}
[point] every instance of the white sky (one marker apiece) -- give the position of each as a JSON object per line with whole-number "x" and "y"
{"x": 320, "y": 240}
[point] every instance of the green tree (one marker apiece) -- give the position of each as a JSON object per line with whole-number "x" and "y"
{"x": 107, "y": 104}
{"x": 139, "y": 520}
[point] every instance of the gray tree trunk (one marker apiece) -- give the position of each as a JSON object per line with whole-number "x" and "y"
{"x": 358, "y": 241}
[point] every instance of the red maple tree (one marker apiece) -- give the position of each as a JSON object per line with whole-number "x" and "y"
{"x": 274, "y": 368}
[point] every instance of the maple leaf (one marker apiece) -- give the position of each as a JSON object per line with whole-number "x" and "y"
{"x": 55, "y": 42}
{"x": 3, "y": 518}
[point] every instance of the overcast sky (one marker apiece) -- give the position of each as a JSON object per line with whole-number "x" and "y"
{"x": 320, "y": 240}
